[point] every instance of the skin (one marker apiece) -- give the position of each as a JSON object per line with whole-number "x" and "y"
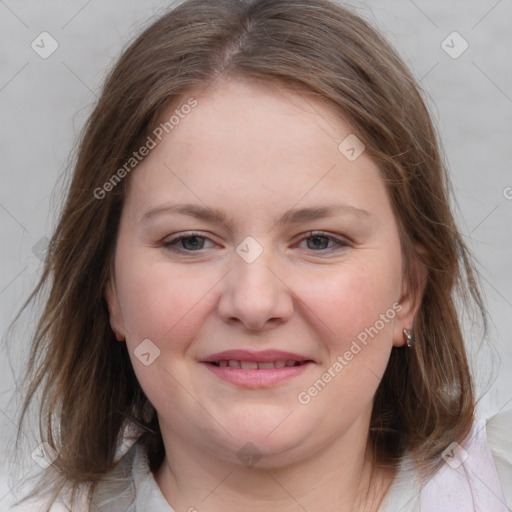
{"x": 254, "y": 152}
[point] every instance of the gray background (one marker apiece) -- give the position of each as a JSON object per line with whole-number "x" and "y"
{"x": 44, "y": 103}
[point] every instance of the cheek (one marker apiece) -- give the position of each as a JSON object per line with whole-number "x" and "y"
{"x": 167, "y": 306}
{"x": 158, "y": 300}
{"x": 355, "y": 311}
{"x": 353, "y": 298}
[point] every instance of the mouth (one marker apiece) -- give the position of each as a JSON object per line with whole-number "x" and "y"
{"x": 254, "y": 365}
{"x": 256, "y": 369}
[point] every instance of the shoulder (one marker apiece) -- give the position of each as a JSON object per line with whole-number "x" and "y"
{"x": 41, "y": 505}
{"x": 470, "y": 477}
{"x": 476, "y": 475}
{"x": 499, "y": 436}
{"x": 116, "y": 491}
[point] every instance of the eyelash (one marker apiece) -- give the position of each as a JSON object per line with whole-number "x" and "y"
{"x": 172, "y": 244}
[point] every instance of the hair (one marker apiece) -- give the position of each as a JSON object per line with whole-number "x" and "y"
{"x": 87, "y": 385}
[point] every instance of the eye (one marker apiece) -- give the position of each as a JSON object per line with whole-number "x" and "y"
{"x": 319, "y": 241}
{"x": 189, "y": 242}
{"x": 195, "y": 242}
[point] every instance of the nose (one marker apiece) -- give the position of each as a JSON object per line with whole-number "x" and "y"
{"x": 255, "y": 295}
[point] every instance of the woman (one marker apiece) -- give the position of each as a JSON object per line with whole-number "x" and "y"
{"x": 253, "y": 283}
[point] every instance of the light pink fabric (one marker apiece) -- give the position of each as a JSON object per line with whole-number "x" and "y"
{"x": 473, "y": 486}
{"x": 475, "y": 477}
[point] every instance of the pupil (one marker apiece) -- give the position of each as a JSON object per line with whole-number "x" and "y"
{"x": 194, "y": 242}
{"x": 316, "y": 239}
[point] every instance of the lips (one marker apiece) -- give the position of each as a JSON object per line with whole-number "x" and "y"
{"x": 263, "y": 360}
{"x": 253, "y": 365}
{"x": 256, "y": 369}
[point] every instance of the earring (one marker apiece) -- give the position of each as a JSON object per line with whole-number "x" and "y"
{"x": 119, "y": 335}
{"x": 408, "y": 337}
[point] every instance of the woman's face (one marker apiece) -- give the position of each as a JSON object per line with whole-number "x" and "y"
{"x": 258, "y": 276}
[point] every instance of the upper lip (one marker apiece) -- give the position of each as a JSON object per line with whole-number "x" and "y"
{"x": 264, "y": 356}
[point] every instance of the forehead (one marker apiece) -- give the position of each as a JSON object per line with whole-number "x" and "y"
{"x": 253, "y": 144}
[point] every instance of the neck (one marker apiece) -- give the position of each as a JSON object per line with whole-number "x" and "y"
{"x": 339, "y": 477}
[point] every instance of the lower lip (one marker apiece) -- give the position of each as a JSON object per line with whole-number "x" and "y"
{"x": 257, "y": 378}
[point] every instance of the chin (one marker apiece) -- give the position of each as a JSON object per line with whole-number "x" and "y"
{"x": 271, "y": 447}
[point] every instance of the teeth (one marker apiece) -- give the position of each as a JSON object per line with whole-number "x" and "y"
{"x": 248, "y": 365}
{"x": 266, "y": 365}
{"x": 253, "y": 365}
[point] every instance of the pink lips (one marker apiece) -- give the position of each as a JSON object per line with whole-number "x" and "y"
{"x": 256, "y": 369}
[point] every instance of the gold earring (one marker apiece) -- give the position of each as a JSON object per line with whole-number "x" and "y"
{"x": 408, "y": 337}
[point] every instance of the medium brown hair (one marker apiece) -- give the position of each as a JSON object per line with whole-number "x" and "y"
{"x": 87, "y": 383}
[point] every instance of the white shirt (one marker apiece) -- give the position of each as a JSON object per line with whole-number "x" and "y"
{"x": 476, "y": 477}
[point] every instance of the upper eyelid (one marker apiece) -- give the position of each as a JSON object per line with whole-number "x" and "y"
{"x": 187, "y": 234}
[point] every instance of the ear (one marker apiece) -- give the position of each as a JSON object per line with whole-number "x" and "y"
{"x": 410, "y": 300}
{"x": 114, "y": 310}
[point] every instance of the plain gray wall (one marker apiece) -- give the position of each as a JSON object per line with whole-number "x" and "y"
{"x": 44, "y": 103}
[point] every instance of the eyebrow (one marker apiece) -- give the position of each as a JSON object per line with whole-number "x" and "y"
{"x": 293, "y": 216}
